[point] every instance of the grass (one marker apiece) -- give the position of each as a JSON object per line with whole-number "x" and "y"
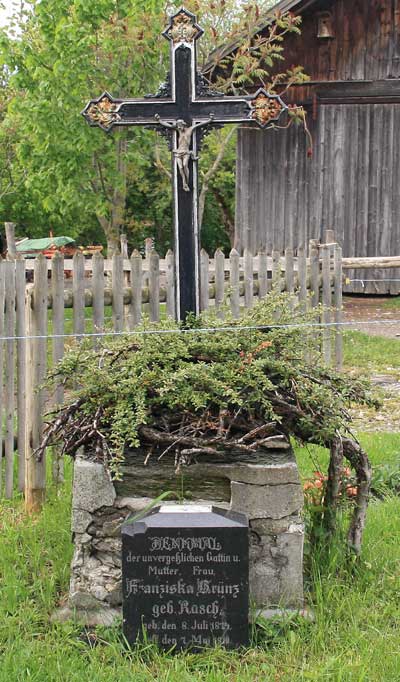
{"x": 371, "y": 354}
{"x": 381, "y": 448}
{"x": 354, "y": 637}
{"x": 392, "y": 303}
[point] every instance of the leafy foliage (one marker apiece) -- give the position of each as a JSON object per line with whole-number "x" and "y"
{"x": 58, "y": 173}
{"x": 195, "y": 389}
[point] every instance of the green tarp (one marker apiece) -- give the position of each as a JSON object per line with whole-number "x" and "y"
{"x": 36, "y": 245}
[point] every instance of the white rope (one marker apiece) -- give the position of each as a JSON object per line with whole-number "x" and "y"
{"x": 203, "y": 330}
{"x": 350, "y": 281}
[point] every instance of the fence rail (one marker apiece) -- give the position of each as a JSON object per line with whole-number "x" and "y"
{"x": 103, "y": 295}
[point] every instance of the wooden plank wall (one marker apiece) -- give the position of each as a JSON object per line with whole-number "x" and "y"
{"x": 350, "y": 185}
{"x": 366, "y": 44}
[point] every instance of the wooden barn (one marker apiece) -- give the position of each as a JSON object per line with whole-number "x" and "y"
{"x": 351, "y": 51}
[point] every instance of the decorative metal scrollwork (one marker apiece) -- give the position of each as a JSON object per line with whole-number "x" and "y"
{"x": 266, "y": 108}
{"x": 102, "y": 112}
{"x": 183, "y": 28}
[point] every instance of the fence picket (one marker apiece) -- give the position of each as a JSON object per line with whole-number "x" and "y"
{"x": 327, "y": 302}
{"x": 289, "y": 271}
{"x": 170, "y": 283}
{"x": 204, "y": 286}
{"x": 248, "y": 279}
{"x": 302, "y": 276}
{"x": 78, "y": 288}
{"x": 2, "y": 344}
{"x": 118, "y": 293}
{"x": 36, "y": 307}
{"x": 98, "y": 292}
{"x": 234, "y": 259}
{"x": 276, "y": 270}
{"x": 219, "y": 260}
{"x": 20, "y": 284}
{"x": 314, "y": 272}
{"x": 154, "y": 286}
{"x": 338, "y": 303}
{"x": 262, "y": 274}
{"x": 57, "y": 291}
{"x": 135, "y": 314}
{"x": 9, "y": 379}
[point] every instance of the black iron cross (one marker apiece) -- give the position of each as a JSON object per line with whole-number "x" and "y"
{"x": 182, "y": 109}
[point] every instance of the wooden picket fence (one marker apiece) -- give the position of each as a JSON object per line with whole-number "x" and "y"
{"x": 43, "y": 309}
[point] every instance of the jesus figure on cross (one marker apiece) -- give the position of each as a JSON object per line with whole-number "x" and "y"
{"x": 183, "y": 153}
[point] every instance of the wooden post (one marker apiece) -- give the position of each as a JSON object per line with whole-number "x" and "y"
{"x": 118, "y": 292}
{"x": 248, "y": 279}
{"x": 125, "y": 274}
{"x": 10, "y": 239}
{"x": 170, "y": 283}
{"x": 154, "y": 286}
{"x": 276, "y": 271}
{"x": 2, "y": 344}
{"x": 204, "y": 285}
{"x": 338, "y": 303}
{"x": 78, "y": 287}
{"x": 234, "y": 259}
{"x": 289, "y": 273}
{"x": 9, "y": 377}
{"x": 20, "y": 285}
{"x": 329, "y": 236}
{"x": 314, "y": 272}
{"x": 135, "y": 314}
{"x": 327, "y": 302}
{"x": 219, "y": 260}
{"x": 302, "y": 273}
{"x": 98, "y": 292}
{"x": 36, "y": 309}
{"x": 57, "y": 291}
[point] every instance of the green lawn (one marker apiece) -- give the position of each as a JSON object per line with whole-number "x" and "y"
{"x": 355, "y": 636}
{"x": 371, "y": 354}
{"x": 393, "y": 302}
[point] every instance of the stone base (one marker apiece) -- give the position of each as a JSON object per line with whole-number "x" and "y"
{"x": 102, "y": 616}
{"x": 266, "y": 488}
{"x": 283, "y": 614}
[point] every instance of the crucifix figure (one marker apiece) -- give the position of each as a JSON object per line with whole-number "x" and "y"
{"x": 181, "y": 110}
{"x": 183, "y": 153}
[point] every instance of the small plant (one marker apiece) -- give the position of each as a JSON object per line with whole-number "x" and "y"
{"x": 315, "y": 487}
{"x": 386, "y": 479}
{"x": 183, "y": 392}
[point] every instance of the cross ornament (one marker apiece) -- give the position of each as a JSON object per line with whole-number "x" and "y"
{"x": 183, "y": 110}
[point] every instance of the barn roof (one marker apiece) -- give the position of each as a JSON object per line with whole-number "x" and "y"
{"x": 297, "y": 6}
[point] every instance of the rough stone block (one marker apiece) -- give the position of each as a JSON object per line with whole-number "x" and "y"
{"x": 276, "y": 526}
{"x": 285, "y": 471}
{"x": 81, "y": 521}
{"x": 276, "y": 568}
{"x": 92, "y": 487}
{"x": 103, "y": 615}
{"x": 267, "y": 501}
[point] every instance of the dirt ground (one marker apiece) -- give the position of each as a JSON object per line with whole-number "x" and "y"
{"x": 370, "y": 308}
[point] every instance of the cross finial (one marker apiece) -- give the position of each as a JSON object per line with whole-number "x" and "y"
{"x": 183, "y": 28}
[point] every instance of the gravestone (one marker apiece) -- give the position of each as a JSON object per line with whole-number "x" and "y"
{"x": 185, "y": 576}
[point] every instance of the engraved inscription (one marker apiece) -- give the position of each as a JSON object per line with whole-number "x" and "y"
{"x": 184, "y": 587}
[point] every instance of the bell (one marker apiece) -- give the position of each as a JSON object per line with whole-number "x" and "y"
{"x": 325, "y": 26}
